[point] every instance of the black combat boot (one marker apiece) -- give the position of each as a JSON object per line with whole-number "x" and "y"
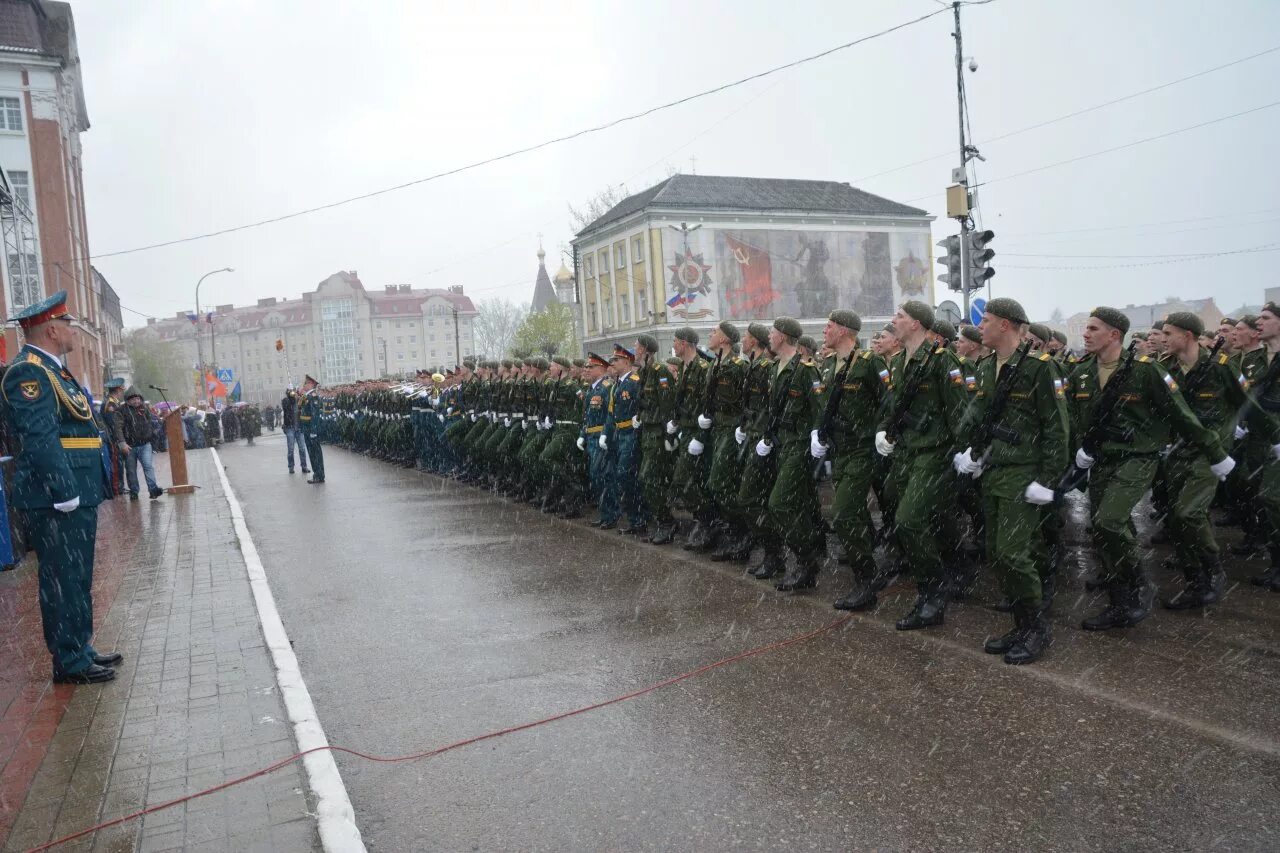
{"x": 664, "y": 535}
{"x": 734, "y": 545}
{"x": 961, "y": 578}
{"x": 929, "y": 609}
{"x": 700, "y": 537}
{"x": 1033, "y": 636}
{"x": 773, "y": 563}
{"x": 1248, "y": 547}
{"x": 1270, "y": 579}
{"x": 1002, "y": 644}
{"x": 862, "y": 596}
{"x": 1125, "y": 610}
{"x": 803, "y": 576}
{"x": 1048, "y": 590}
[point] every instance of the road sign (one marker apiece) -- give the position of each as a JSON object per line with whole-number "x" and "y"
{"x": 976, "y": 309}
{"x": 950, "y": 312}
{"x": 225, "y": 374}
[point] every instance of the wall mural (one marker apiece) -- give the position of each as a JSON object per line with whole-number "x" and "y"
{"x": 757, "y": 274}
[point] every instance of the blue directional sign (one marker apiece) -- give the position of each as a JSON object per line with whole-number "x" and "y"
{"x": 976, "y": 309}
{"x": 225, "y": 374}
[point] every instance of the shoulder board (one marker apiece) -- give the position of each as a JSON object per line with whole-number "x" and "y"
{"x": 737, "y": 359}
{"x": 1144, "y": 358}
{"x": 32, "y": 358}
{"x": 1044, "y": 356}
{"x": 634, "y": 377}
{"x": 808, "y": 363}
{"x": 940, "y": 350}
{"x": 1223, "y": 358}
{"x": 865, "y": 356}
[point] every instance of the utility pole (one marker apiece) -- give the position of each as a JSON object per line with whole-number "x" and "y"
{"x": 457, "y": 347}
{"x": 965, "y": 282}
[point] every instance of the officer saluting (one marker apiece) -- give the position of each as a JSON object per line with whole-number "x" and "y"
{"x": 58, "y": 486}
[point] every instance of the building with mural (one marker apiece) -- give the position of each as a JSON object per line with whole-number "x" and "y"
{"x": 697, "y": 249}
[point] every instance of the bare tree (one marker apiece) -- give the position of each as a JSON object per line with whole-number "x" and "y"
{"x": 496, "y": 324}
{"x": 596, "y": 206}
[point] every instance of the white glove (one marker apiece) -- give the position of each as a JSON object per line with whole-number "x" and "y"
{"x": 696, "y": 447}
{"x": 763, "y": 448}
{"x": 669, "y": 445}
{"x": 68, "y": 506}
{"x": 704, "y": 422}
{"x": 1083, "y": 460}
{"x": 964, "y": 462}
{"x": 582, "y": 443}
{"x": 635, "y": 422}
{"x": 739, "y": 436}
{"x": 441, "y": 417}
{"x": 506, "y": 422}
{"x": 524, "y": 424}
{"x": 816, "y": 448}
{"x": 449, "y": 411}
{"x": 671, "y": 428}
{"x": 1275, "y": 449}
{"x": 603, "y": 442}
{"x": 1241, "y": 432}
{"x": 473, "y": 417}
{"x": 883, "y": 445}
{"x": 1223, "y": 468}
{"x": 1037, "y": 494}
{"x": 546, "y": 423}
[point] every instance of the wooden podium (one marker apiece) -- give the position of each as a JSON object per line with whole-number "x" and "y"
{"x": 177, "y": 454}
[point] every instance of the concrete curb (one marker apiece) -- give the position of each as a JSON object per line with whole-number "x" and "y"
{"x": 335, "y": 816}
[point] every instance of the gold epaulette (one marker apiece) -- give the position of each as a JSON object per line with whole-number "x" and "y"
{"x": 1144, "y": 358}
{"x": 634, "y": 377}
{"x": 1223, "y": 358}
{"x": 1044, "y": 356}
{"x": 32, "y": 358}
{"x": 939, "y": 350}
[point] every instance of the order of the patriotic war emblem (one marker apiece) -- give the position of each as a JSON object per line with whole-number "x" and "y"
{"x": 689, "y": 280}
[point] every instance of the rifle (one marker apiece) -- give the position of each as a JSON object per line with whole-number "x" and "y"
{"x": 1191, "y": 383}
{"x": 1260, "y": 388}
{"x": 902, "y": 400}
{"x": 1100, "y": 426}
{"x": 828, "y": 421}
{"x": 777, "y": 405}
{"x": 989, "y": 430}
{"x": 709, "y": 398}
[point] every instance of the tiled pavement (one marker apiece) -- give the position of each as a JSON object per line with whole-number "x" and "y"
{"x": 195, "y": 703}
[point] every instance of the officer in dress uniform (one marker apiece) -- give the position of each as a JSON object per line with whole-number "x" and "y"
{"x": 622, "y": 436}
{"x": 58, "y": 486}
{"x": 309, "y": 410}
{"x": 593, "y": 441}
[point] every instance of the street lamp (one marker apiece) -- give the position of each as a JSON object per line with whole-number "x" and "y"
{"x": 199, "y": 338}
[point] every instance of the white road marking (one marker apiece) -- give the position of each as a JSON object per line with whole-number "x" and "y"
{"x": 335, "y": 817}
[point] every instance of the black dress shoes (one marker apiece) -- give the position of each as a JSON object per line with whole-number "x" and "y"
{"x": 93, "y": 675}
{"x": 109, "y": 659}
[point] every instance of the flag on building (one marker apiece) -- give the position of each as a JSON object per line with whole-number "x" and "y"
{"x": 213, "y": 387}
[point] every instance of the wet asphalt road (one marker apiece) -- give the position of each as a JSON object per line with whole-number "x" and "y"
{"x": 424, "y": 612}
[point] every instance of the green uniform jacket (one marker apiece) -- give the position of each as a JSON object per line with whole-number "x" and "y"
{"x": 755, "y": 401}
{"x": 727, "y": 392}
{"x": 795, "y": 400}
{"x": 689, "y": 393}
{"x": 657, "y": 393}
{"x": 864, "y": 387}
{"x": 60, "y": 455}
{"x": 1033, "y": 426}
{"x": 1151, "y": 407}
{"x": 1219, "y": 394}
{"x": 935, "y": 416}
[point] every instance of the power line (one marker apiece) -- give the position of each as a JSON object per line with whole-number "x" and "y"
{"x": 1269, "y": 247}
{"x": 1079, "y": 112}
{"x": 528, "y": 149}
{"x": 1113, "y": 149}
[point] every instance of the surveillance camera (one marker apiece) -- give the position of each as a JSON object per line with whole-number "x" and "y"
{"x": 973, "y": 64}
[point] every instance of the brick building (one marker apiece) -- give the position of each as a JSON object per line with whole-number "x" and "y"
{"x": 42, "y": 214}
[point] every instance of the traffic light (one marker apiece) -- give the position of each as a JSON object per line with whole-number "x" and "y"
{"x": 951, "y": 260}
{"x": 980, "y": 255}
{"x": 279, "y": 345}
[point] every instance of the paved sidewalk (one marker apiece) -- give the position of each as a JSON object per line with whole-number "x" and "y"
{"x": 196, "y": 701}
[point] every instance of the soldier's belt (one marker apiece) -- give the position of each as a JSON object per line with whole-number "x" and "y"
{"x": 627, "y": 424}
{"x": 1006, "y": 434}
{"x": 81, "y": 443}
{"x": 595, "y": 429}
{"x": 570, "y": 423}
{"x": 517, "y": 414}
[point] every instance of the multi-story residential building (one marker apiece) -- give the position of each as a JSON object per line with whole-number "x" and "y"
{"x": 118, "y": 364}
{"x": 698, "y": 249}
{"x": 337, "y": 333}
{"x": 42, "y": 215}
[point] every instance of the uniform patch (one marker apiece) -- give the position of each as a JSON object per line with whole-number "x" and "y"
{"x": 956, "y": 378}
{"x": 884, "y": 376}
{"x": 971, "y": 383}
{"x": 662, "y": 380}
{"x": 30, "y": 390}
{"x": 1059, "y": 390}
{"x": 1168, "y": 380}
{"x": 1244, "y": 383}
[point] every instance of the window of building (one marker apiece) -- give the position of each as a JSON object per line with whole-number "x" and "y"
{"x": 588, "y": 266}
{"x": 399, "y": 339}
{"x": 606, "y": 318}
{"x": 10, "y": 114}
{"x": 431, "y": 322}
{"x": 378, "y": 325}
{"x": 399, "y": 356}
{"x": 413, "y": 339}
{"x": 433, "y": 353}
{"x": 413, "y": 355}
{"x": 637, "y": 250}
{"x": 620, "y": 255}
{"x": 642, "y": 303}
{"x": 604, "y": 261}
{"x": 21, "y": 182}
{"x": 591, "y": 316}
{"x": 624, "y": 305}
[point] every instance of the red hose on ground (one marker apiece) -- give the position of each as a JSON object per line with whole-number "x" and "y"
{"x": 284, "y": 762}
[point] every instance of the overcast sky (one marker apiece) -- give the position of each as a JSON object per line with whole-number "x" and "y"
{"x": 211, "y": 115}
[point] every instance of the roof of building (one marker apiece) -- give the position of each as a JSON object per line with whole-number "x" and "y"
{"x": 777, "y": 194}
{"x": 544, "y": 294}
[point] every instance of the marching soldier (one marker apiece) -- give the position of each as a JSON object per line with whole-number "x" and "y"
{"x": 656, "y": 409}
{"x": 1123, "y": 463}
{"x": 862, "y": 382}
{"x": 1016, "y": 437}
{"x": 687, "y": 485}
{"x": 716, "y": 422}
{"x": 921, "y": 429}
{"x": 1267, "y": 395}
{"x": 748, "y": 496}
